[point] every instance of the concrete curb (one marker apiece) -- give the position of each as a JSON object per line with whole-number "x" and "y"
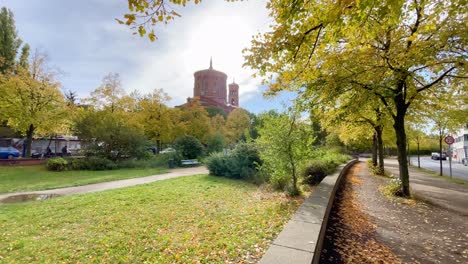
{"x": 302, "y": 237}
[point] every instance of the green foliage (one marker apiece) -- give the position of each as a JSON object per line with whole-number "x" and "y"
{"x": 9, "y": 41}
{"x": 32, "y": 102}
{"x": 57, "y": 164}
{"x": 393, "y": 188}
{"x": 156, "y": 161}
{"x": 285, "y": 143}
{"x": 375, "y": 170}
{"x": 217, "y": 164}
{"x": 109, "y": 135}
{"x": 213, "y": 111}
{"x": 216, "y": 143}
{"x": 241, "y": 163}
{"x": 316, "y": 170}
{"x": 188, "y": 147}
{"x": 93, "y": 163}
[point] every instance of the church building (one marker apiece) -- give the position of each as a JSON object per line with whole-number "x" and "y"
{"x": 211, "y": 90}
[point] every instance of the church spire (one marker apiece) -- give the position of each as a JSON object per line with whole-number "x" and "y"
{"x": 211, "y": 63}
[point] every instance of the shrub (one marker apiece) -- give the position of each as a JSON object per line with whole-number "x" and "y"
{"x": 375, "y": 170}
{"x": 316, "y": 170}
{"x": 92, "y": 163}
{"x": 241, "y": 163}
{"x": 189, "y": 147}
{"x": 216, "y": 143}
{"x": 161, "y": 160}
{"x": 217, "y": 164}
{"x": 393, "y": 188}
{"x": 57, "y": 164}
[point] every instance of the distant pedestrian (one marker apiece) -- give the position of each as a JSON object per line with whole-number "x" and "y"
{"x": 64, "y": 151}
{"x": 48, "y": 152}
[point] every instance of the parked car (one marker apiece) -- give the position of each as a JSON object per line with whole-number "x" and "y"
{"x": 167, "y": 150}
{"x": 436, "y": 156}
{"x": 9, "y": 153}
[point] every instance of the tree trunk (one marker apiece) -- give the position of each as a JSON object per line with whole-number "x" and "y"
{"x": 399, "y": 126}
{"x": 374, "y": 150}
{"x": 29, "y": 138}
{"x": 158, "y": 146}
{"x": 380, "y": 148}
{"x": 440, "y": 153}
{"x": 419, "y": 161}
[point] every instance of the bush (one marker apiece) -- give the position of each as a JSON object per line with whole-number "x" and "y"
{"x": 57, "y": 164}
{"x": 393, "y": 188}
{"x": 189, "y": 147}
{"x": 217, "y": 164}
{"x": 92, "y": 163}
{"x": 216, "y": 143}
{"x": 316, "y": 170}
{"x": 241, "y": 163}
{"x": 375, "y": 170}
{"x": 161, "y": 160}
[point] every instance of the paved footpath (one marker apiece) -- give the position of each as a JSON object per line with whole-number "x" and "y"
{"x": 434, "y": 189}
{"x": 97, "y": 187}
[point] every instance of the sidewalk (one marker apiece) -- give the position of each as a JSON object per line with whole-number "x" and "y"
{"x": 97, "y": 187}
{"x": 433, "y": 189}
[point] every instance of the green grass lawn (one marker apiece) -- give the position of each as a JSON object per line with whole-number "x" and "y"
{"x": 33, "y": 178}
{"x": 198, "y": 219}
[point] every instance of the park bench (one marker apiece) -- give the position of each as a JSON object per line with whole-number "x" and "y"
{"x": 190, "y": 162}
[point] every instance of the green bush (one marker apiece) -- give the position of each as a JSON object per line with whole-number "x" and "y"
{"x": 393, "y": 188}
{"x": 217, "y": 164}
{"x": 241, "y": 163}
{"x": 316, "y": 170}
{"x": 92, "y": 163}
{"x": 57, "y": 164}
{"x": 189, "y": 147}
{"x": 375, "y": 170}
{"x": 161, "y": 160}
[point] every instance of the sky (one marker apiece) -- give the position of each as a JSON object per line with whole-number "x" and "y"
{"x": 83, "y": 40}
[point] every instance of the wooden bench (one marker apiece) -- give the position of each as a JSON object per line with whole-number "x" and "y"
{"x": 190, "y": 162}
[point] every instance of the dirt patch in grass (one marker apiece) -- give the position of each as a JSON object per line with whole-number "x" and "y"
{"x": 367, "y": 227}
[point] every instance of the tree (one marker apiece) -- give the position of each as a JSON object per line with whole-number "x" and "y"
{"x": 109, "y": 94}
{"x": 237, "y": 123}
{"x": 284, "y": 143}
{"x": 9, "y": 41}
{"x": 214, "y": 111}
{"x": 189, "y": 147}
{"x": 71, "y": 98}
{"x": 194, "y": 121}
{"x": 156, "y": 117}
{"x": 32, "y": 101}
{"x": 397, "y": 50}
{"x": 108, "y": 134}
{"x": 445, "y": 116}
{"x": 216, "y": 143}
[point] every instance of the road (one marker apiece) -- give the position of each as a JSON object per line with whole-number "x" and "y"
{"x": 458, "y": 170}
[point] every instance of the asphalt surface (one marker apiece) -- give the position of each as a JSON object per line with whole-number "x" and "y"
{"x": 102, "y": 186}
{"x": 458, "y": 170}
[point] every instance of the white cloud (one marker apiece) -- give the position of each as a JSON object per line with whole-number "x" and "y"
{"x": 218, "y": 29}
{"x": 85, "y": 41}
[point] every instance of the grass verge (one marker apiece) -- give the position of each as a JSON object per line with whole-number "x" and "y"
{"x": 34, "y": 178}
{"x": 199, "y": 219}
{"x": 445, "y": 177}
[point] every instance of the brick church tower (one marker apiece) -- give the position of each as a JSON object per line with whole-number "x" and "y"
{"x": 210, "y": 90}
{"x": 233, "y": 94}
{"x": 210, "y": 84}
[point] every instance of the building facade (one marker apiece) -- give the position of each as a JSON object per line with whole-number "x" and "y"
{"x": 210, "y": 89}
{"x": 460, "y": 147}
